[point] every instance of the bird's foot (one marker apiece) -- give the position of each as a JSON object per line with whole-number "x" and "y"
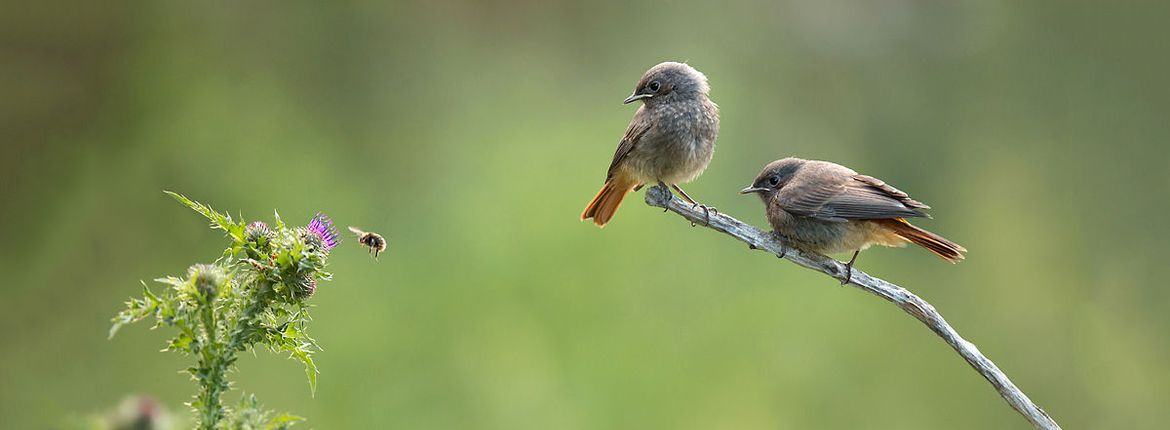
{"x": 665, "y": 189}
{"x": 706, "y": 213}
{"x": 782, "y": 241}
{"x": 849, "y": 268}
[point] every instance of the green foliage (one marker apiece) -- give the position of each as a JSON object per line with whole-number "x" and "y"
{"x": 250, "y": 416}
{"x": 218, "y": 220}
{"x": 253, "y": 296}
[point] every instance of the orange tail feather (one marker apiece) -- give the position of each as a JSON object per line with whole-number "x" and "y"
{"x": 606, "y": 202}
{"x": 939, "y": 245}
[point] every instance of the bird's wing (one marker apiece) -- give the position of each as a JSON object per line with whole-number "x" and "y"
{"x": 894, "y": 193}
{"x": 637, "y": 128}
{"x": 858, "y": 197}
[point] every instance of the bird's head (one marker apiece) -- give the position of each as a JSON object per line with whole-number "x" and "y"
{"x": 669, "y": 81}
{"x": 774, "y": 176}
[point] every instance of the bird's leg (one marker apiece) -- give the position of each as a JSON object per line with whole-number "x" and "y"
{"x": 706, "y": 209}
{"x": 684, "y": 194}
{"x": 783, "y": 244}
{"x": 849, "y": 268}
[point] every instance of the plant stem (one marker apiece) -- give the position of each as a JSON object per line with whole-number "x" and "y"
{"x": 216, "y": 357}
{"x": 212, "y": 367}
{"x": 244, "y": 327}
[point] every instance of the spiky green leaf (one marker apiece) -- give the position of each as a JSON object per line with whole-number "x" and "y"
{"x": 218, "y": 220}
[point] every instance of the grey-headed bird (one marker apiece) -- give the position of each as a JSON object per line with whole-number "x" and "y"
{"x": 670, "y": 140}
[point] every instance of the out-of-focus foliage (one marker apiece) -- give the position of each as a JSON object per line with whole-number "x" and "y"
{"x": 472, "y": 133}
{"x": 136, "y": 412}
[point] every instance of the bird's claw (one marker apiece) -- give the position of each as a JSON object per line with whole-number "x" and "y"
{"x": 706, "y": 213}
{"x": 849, "y": 268}
{"x": 667, "y": 190}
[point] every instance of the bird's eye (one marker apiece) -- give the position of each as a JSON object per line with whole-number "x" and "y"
{"x": 774, "y": 181}
{"x": 654, "y": 86}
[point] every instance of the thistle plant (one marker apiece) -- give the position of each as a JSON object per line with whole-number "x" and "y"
{"x": 253, "y": 296}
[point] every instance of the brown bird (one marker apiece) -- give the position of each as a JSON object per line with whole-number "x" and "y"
{"x": 670, "y": 140}
{"x": 828, "y": 208}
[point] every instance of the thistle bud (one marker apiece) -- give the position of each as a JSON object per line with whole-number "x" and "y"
{"x": 258, "y": 233}
{"x": 207, "y": 279}
{"x": 312, "y": 240}
{"x": 304, "y": 286}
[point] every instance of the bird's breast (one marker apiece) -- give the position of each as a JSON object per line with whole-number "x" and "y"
{"x": 829, "y": 237}
{"x": 685, "y": 137}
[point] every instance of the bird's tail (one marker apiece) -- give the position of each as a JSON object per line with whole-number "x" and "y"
{"x": 605, "y": 204}
{"x": 939, "y": 245}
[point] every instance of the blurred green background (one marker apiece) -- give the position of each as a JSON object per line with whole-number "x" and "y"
{"x": 472, "y": 133}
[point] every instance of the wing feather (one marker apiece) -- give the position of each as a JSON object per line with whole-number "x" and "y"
{"x": 634, "y": 132}
{"x": 859, "y": 197}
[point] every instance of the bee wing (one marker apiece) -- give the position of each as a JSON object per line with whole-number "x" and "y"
{"x": 356, "y": 231}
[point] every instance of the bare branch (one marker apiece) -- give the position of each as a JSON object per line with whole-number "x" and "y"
{"x": 904, "y": 299}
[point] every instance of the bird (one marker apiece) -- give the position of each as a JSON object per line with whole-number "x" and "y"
{"x": 670, "y": 140}
{"x": 828, "y": 208}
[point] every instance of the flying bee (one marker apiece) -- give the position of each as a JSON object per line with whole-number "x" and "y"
{"x": 374, "y": 241}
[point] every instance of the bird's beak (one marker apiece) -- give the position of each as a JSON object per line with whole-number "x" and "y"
{"x": 750, "y": 190}
{"x": 635, "y": 97}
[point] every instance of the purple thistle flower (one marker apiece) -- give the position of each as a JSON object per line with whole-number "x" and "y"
{"x": 322, "y": 226}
